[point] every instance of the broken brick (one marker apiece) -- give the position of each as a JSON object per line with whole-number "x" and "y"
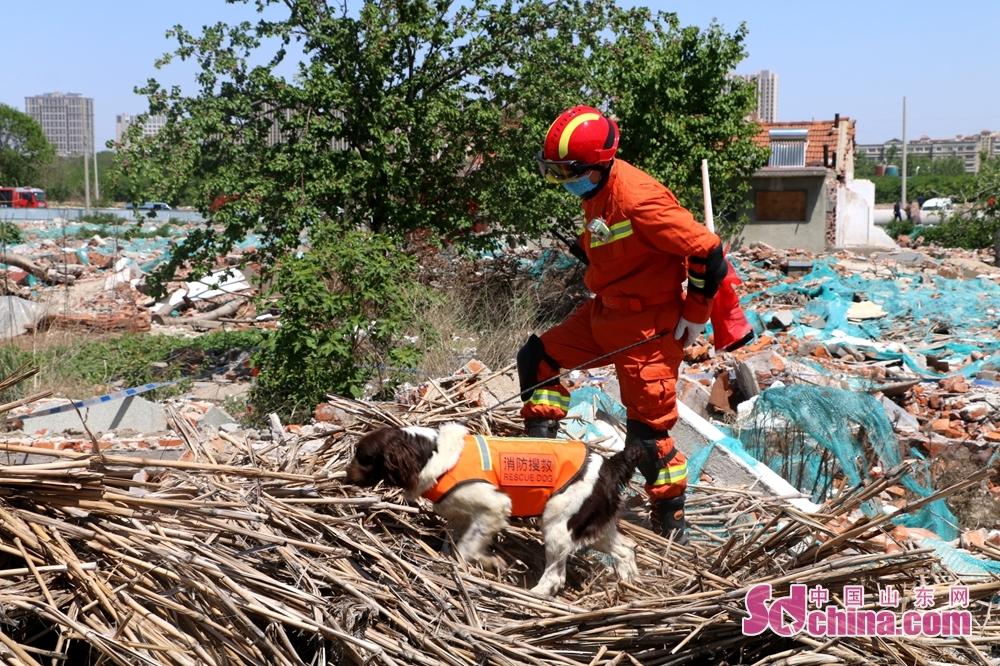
{"x": 821, "y": 352}
{"x": 977, "y": 411}
{"x": 325, "y": 412}
{"x": 956, "y": 384}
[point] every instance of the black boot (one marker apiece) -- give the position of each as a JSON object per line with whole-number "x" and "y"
{"x": 541, "y": 428}
{"x": 667, "y": 517}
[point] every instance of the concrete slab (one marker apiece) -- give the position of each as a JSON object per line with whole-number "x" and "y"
{"x": 692, "y": 433}
{"x": 216, "y": 418}
{"x": 135, "y": 413}
{"x": 218, "y": 391}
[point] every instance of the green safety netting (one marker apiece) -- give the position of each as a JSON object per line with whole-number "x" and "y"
{"x": 812, "y": 435}
{"x": 922, "y": 304}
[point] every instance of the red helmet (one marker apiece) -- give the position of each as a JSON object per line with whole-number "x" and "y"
{"x": 580, "y": 139}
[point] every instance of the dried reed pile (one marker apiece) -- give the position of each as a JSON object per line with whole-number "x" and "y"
{"x": 257, "y": 554}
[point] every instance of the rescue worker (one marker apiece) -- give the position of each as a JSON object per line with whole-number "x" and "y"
{"x": 640, "y": 245}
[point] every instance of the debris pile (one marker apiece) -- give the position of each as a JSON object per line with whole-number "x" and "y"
{"x": 89, "y": 275}
{"x": 251, "y": 551}
{"x": 919, "y": 332}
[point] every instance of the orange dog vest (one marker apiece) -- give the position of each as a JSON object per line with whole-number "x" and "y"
{"x": 530, "y": 471}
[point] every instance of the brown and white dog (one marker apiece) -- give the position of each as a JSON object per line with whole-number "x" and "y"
{"x": 583, "y": 512}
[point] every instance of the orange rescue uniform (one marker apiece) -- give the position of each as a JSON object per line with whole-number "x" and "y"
{"x": 530, "y": 471}
{"x": 636, "y": 271}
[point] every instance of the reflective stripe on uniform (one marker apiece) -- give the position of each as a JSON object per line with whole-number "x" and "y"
{"x": 672, "y": 474}
{"x": 696, "y": 282}
{"x": 484, "y": 453}
{"x": 551, "y": 398}
{"x": 619, "y": 230}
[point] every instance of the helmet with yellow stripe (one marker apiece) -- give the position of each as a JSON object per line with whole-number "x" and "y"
{"x": 580, "y": 139}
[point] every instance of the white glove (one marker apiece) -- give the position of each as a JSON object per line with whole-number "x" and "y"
{"x": 688, "y": 331}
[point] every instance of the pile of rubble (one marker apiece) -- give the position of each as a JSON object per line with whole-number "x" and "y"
{"x": 67, "y": 275}
{"x": 919, "y": 331}
{"x": 249, "y": 550}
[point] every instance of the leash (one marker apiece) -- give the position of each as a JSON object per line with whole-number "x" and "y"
{"x": 562, "y": 374}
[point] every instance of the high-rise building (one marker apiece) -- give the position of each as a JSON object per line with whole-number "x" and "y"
{"x": 767, "y": 94}
{"x": 151, "y": 126}
{"x": 67, "y": 120}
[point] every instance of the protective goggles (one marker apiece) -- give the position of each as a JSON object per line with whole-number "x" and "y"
{"x": 561, "y": 171}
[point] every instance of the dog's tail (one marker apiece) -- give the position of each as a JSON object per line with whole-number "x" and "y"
{"x": 605, "y": 501}
{"x": 620, "y": 467}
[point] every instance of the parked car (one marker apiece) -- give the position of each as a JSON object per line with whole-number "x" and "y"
{"x": 936, "y": 210}
{"x": 150, "y": 205}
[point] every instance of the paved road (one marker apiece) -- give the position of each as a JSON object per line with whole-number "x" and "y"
{"x": 883, "y": 216}
{"x": 74, "y": 213}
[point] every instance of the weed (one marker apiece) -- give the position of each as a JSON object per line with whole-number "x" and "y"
{"x": 345, "y": 307}
{"x": 101, "y": 219}
{"x": 76, "y": 367}
{"x": 10, "y": 233}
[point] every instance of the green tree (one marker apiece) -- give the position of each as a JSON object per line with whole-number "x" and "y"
{"x": 345, "y": 307}
{"x": 918, "y": 164}
{"x": 63, "y": 181}
{"x": 976, "y": 222}
{"x": 405, "y": 116}
{"x": 425, "y": 114}
{"x": 892, "y": 154}
{"x": 420, "y": 114}
{"x": 24, "y": 150}
{"x": 672, "y": 89}
{"x": 864, "y": 166}
{"x": 948, "y": 166}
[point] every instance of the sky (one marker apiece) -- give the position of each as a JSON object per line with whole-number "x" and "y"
{"x": 857, "y": 58}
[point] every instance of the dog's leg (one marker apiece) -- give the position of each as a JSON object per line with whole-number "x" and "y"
{"x": 484, "y": 511}
{"x": 474, "y": 544}
{"x": 622, "y": 551}
{"x": 558, "y": 547}
{"x": 458, "y": 525}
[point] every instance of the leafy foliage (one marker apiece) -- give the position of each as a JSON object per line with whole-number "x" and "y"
{"x": 426, "y": 115}
{"x": 672, "y": 89}
{"x": 887, "y": 188}
{"x": 62, "y": 178}
{"x": 976, "y": 223}
{"x": 864, "y": 166}
{"x": 129, "y": 359}
{"x": 917, "y": 166}
{"x": 10, "y": 233}
{"x": 902, "y": 227}
{"x": 24, "y": 150}
{"x": 345, "y": 306}
{"x": 417, "y": 115}
{"x": 939, "y": 166}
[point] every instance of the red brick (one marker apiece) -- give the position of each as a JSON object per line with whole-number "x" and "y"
{"x": 327, "y": 413}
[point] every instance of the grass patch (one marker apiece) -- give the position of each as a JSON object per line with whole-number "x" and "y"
{"x": 10, "y": 233}
{"x": 488, "y": 310}
{"x": 77, "y": 368}
{"x": 101, "y": 219}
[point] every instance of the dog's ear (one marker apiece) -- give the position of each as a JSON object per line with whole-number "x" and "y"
{"x": 402, "y": 460}
{"x": 367, "y": 467}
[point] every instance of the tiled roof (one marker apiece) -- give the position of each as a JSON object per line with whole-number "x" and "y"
{"x": 821, "y": 133}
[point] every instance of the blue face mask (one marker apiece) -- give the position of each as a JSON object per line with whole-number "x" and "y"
{"x": 580, "y": 187}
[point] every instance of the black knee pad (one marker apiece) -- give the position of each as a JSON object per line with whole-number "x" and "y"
{"x": 529, "y": 358}
{"x": 645, "y": 437}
